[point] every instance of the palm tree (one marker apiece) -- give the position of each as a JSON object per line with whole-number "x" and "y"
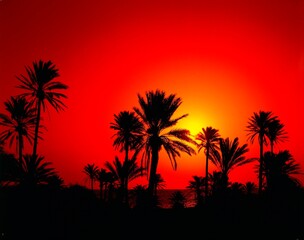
{"x": 9, "y": 168}
{"x": 229, "y": 156}
{"x": 276, "y": 133}
{"x": 129, "y": 130}
{"x": 20, "y": 123}
{"x": 40, "y": 87}
{"x": 91, "y": 170}
{"x": 197, "y": 185}
{"x": 209, "y": 142}
{"x": 250, "y": 188}
{"x": 109, "y": 183}
{"x": 124, "y": 172}
{"x": 128, "y": 137}
{"x": 257, "y": 127}
{"x": 156, "y": 112}
{"x": 160, "y": 183}
{"x": 139, "y": 193}
{"x": 177, "y": 200}
{"x": 102, "y": 177}
{"x": 35, "y": 171}
{"x": 280, "y": 170}
{"x": 218, "y": 183}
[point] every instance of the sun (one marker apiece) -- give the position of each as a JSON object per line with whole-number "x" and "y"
{"x": 193, "y": 122}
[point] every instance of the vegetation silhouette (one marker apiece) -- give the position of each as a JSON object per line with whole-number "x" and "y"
{"x": 156, "y": 112}
{"x": 36, "y": 204}
{"x": 258, "y": 127}
{"x": 124, "y": 173}
{"x": 197, "y": 185}
{"x": 229, "y": 156}
{"x": 177, "y": 200}
{"x": 91, "y": 170}
{"x": 40, "y": 88}
{"x": 128, "y": 137}
{"x": 20, "y": 123}
{"x": 280, "y": 170}
{"x": 208, "y": 140}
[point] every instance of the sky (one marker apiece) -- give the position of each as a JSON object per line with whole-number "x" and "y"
{"x": 224, "y": 59}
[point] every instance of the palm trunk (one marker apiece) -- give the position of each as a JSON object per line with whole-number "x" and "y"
{"x": 20, "y": 148}
{"x": 37, "y": 128}
{"x": 125, "y": 189}
{"x": 206, "y": 174}
{"x": 261, "y": 165}
{"x": 271, "y": 147}
{"x": 101, "y": 190}
{"x": 153, "y": 169}
{"x": 127, "y": 192}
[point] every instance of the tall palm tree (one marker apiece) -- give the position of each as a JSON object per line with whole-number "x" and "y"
{"x": 20, "y": 123}
{"x": 156, "y": 112}
{"x": 257, "y": 127}
{"x": 276, "y": 133}
{"x": 208, "y": 140}
{"x": 40, "y": 87}
{"x": 128, "y": 134}
{"x": 124, "y": 172}
{"x": 91, "y": 170}
{"x": 230, "y": 156}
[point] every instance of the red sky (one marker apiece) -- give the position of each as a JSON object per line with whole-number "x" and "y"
{"x": 225, "y": 59}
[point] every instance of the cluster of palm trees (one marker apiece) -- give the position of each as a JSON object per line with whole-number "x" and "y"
{"x": 23, "y": 121}
{"x": 141, "y": 134}
{"x": 149, "y": 128}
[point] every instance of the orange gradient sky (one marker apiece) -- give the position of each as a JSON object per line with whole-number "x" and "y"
{"x": 225, "y": 59}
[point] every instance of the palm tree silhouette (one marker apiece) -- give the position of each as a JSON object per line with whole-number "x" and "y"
{"x": 128, "y": 134}
{"x": 35, "y": 171}
{"x": 102, "y": 177}
{"x": 139, "y": 193}
{"x": 40, "y": 87}
{"x": 217, "y": 182}
{"x": 280, "y": 170}
{"x": 156, "y": 112}
{"x": 128, "y": 137}
{"x": 91, "y": 170}
{"x": 20, "y": 123}
{"x": 160, "y": 183}
{"x": 229, "y": 156}
{"x": 257, "y": 127}
{"x": 209, "y": 142}
{"x": 124, "y": 172}
{"x": 177, "y": 200}
{"x": 276, "y": 133}
{"x": 197, "y": 185}
{"x": 250, "y": 188}
{"x": 9, "y": 168}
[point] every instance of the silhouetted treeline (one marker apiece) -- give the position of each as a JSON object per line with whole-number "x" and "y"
{"x": 36, "y": 204}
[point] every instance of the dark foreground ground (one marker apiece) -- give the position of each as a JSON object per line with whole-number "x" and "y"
{"x": 79, "y": 216}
